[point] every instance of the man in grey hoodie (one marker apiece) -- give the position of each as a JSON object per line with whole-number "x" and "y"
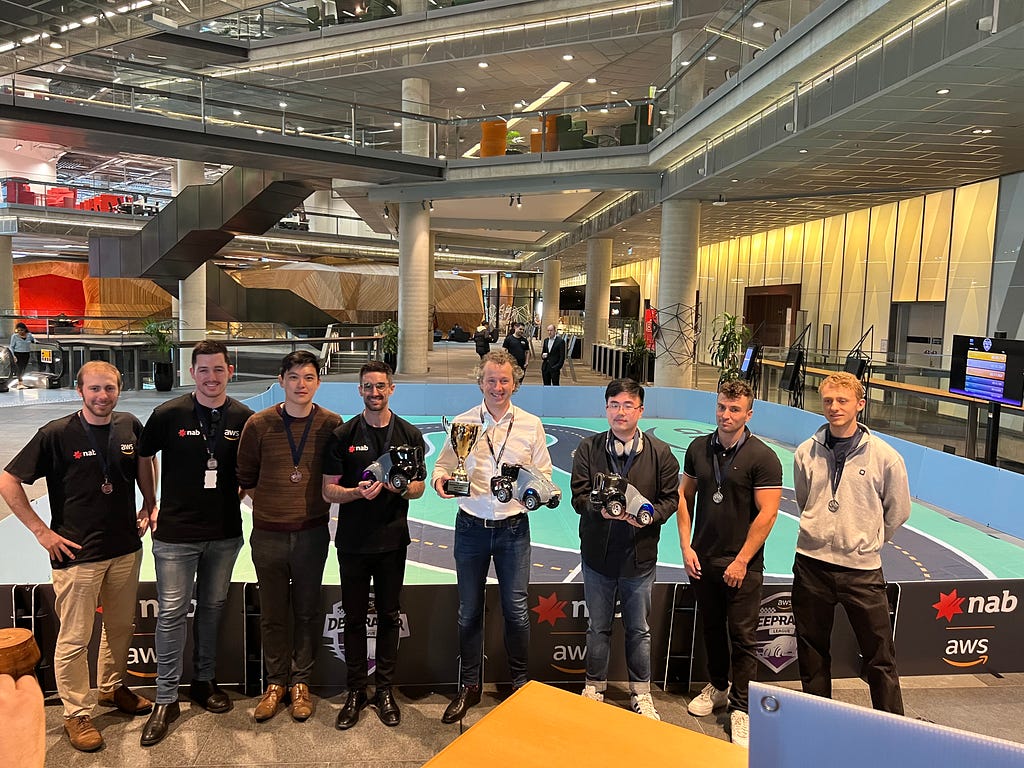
{"x": 853, "y": 494}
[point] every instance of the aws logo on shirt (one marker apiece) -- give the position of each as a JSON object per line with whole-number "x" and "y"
{"x": 83, "y": 454}
{"x": 189, "y": 433}
{"x": 360, "y": 448}
{"x": 128, "y": 449}
{"x": 232, "y": 434}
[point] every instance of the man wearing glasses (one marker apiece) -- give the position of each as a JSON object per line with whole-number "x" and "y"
{"x": 197, "y": 530}
{"x": 486, "y": 528}
{"x": 372, "y": 538}
{"x": 620, "y": 554}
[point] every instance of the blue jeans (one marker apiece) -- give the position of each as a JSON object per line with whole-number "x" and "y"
{"x": 634, "y": 596}
{"x": 207, "y": 566}
{"x": 509, "y": 545}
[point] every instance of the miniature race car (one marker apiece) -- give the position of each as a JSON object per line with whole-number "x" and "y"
{"x": 398, "y": 467}
{"x": 619, "y": 499}
{"x": 526, "y": 484}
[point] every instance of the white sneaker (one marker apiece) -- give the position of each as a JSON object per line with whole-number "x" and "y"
{"x": 590, "y": 692}
{"x": 643, "y": 704}
{"x": 707, "y": 701}
{"x": 740, "y": 728}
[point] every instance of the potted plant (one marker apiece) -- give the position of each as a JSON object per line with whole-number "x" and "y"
{"x": 514, "y": 143}
{"x": 729, "y": 338}
{"x": 389, "y": 343}
{"x": 637, "y": 355}
{"x": 161, "y": 339}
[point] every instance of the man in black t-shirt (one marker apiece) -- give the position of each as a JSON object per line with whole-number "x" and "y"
{"x": 197, "y": 530}
{"x": 91, "y": 465}
{"x": 731, "y": 488}
{"x": 372, "y": 538}
{"x": 518, "y": 346}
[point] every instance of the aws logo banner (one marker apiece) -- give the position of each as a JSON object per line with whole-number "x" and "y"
{"x": 969, "y": 626}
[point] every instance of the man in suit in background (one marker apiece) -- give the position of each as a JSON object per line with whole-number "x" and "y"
{"x": 553, "y": 357}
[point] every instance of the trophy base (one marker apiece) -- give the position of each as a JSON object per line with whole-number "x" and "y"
{"x": 455, "y": 487}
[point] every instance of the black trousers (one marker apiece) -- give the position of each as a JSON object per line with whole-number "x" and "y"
{"x": 20, "y": 364}
{"x": 387, "y": 572}
{"x": 290, "y": 571}
{"x": 550, "y": 375}
{"x": 729, "y": 615}
{"x": 817, "y": 588}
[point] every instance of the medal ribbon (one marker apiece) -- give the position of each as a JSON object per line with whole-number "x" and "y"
{"x": 296, "y": 451}
{"x": 714, "y": 455}
{"x": 104, "y": 458}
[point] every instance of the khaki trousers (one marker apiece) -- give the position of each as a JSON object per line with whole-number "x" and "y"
{"x": 79, "y": 591}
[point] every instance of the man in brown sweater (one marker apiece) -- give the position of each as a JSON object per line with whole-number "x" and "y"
{"x": 280, "y": 464}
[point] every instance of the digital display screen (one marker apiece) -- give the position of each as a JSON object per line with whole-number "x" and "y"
{"x": 747, "y": 359}
{"x": 989, "y": 369}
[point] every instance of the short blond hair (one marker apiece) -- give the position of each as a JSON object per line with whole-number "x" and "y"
{"x": 843, "y": 380}
{"x": 499, "y": 357}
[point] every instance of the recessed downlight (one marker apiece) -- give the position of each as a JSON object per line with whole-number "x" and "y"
{"x": 482, "y": 64}
{"x": 567, "y": 57}
{"x": 942, "y": 91}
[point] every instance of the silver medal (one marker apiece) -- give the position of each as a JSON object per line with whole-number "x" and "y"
{"x": 717, "y": 498}
{"x": 833, "y": 506}
{"x": 211, "y": 463}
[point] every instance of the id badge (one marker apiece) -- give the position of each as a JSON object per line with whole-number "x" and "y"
{"x": 210, "y": 478}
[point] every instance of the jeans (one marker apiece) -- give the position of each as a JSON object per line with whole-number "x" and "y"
{"x": 387, "y": 569}
{"x": 206, "y": 566}
{"x": 730, "y": 617}
{"x": 817, "y": 588}
{"x": 78, "y": 590}
{"x": 634, "y": 595}
{"x": 509, "y": 545}
{"x": 290, "y": 571}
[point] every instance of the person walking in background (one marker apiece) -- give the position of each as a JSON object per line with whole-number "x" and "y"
{"x": 21, "y": 347}
{"x": 482, "y": 340}
{"x": 553, "y": 358}
{"x": 280, "y": 464}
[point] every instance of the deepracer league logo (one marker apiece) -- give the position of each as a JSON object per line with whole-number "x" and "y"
{"x": 334, "y": 632}
{"x": 776, "y": 632}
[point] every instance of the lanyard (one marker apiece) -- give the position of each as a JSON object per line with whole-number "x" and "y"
{"x": 714, "y": 455}
{"x": 107, "y": 486}
{"x": 296, "y": 451}
{"x": 210, "y": 436}
{"x": 490, "y": 445}
{"x": 622, "y": 468}
{"x": 364, "y": 428}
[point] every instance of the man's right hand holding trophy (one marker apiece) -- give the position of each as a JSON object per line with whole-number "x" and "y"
{"x": 463, "y": 437}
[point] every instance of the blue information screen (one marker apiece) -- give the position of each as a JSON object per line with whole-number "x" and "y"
{"x": 989, "y": 369}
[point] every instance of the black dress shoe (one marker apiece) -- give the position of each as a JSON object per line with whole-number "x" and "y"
{"x": 349, "y": 714}
{"x": 387, "y": 707}
{"x": 156, "y": 727}
{"x": 469, "y": 696}
{"x": 208, "y": 695}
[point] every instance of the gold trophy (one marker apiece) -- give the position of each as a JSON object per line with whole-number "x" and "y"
{"x": 463, "y": 437}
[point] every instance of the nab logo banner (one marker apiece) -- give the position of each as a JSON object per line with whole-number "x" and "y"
{"x": 334, "y": 632}
{"x": 776, "y": 632}
{"x": 973, "y": 619}
{"x": 562, "y": 622}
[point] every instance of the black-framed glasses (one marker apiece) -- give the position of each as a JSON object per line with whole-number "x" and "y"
{"x": 370, "y": 386}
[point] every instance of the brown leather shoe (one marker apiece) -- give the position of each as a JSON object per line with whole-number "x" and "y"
{"x": 126, "y": 700}
{"x": 82, "y": 733}
{"x": 302, "y": 702}
{"x": 270, "y": 702}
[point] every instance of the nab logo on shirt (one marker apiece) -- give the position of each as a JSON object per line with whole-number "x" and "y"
{"x": 83, "y": 454}
{"x": 189, "y": 433}
{"x": 361, "y": 448}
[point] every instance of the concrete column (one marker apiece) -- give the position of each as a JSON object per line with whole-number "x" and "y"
{"x": 680, "y": 241}
{"x": 185, "y": 174}
{"x": 690, "y": 88}
{"x": 431, "y": 279}
{"x": 191, "y": 318}
{"x": 416, "y": 99}
{"x": 6, "y": 288}
{"x": 599, "y": 291}
{"x": 413, "y": 287}
{"x": 552, "y": 280}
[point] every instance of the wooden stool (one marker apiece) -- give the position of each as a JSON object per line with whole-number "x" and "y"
{"x": 19, "y": 653}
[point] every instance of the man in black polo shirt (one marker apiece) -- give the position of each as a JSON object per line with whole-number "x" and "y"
{"x": 731, "y": 488}
{"x": 372, "y": 538}
{"x": 518, "y": 346}
{"x": 91, "y": 465}
{"x": 197, "y": 531}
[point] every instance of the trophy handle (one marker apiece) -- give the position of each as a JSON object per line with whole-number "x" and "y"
{"x": 446, "y": 424}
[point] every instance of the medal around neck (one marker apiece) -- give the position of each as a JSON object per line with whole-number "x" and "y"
{"x": 462, "y": 437}
{"x": 833, "y": 506}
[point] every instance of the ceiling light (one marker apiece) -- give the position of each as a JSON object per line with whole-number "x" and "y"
{"x": 591, "y": 80}
{"x": 282, "y": 104}
{"x": 236, "y": 113}
{"x": 442, "y": 157}
{"x": 519, "y": 201}
{"x": 397, "y": 124}
{"x": 720, "y": 201}
{"x": 61, "y": 68}
{"x": 387, "y": 213}
{"x": 431, "y": 205}
{"x": 566, "y": 57}
{"x": 482, "y": 64}
{"x": 942, "y": 91}
{"x": 511, "y": 199}
{"x": 614, "y": 93}
{"x": 757, "y": 24}
{"x": 299, "y": 128}
{"x": 604, "y": 110}
{"x": 712, "y": 57}
{"x": 259, "y": 131}
{"x": 460, "y": 89}
{"x": 684, "y": 63}
{"x": 803, "y": 151}
{"x": 55, "y": 45}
